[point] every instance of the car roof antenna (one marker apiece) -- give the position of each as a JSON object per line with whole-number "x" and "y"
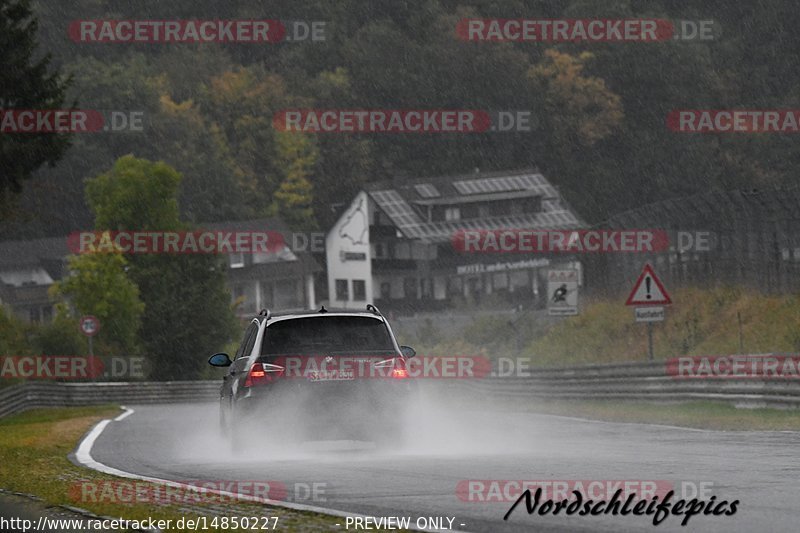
{"x": 322, "y": 309}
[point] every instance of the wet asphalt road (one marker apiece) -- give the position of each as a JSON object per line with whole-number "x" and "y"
{"x": 760, "y": 469}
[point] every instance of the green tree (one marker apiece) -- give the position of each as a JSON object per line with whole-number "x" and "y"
{"x": 210, "y": 190}
{"x": 187, "y": 314}
{"x": 578, "y": 111}
{"x": 135, "y": 194}
{"x": 98, "y": 285}
{"x": 238, "y": 106}
{"x": 13, "y": 338}
{"x": 294, "y": 198}
{"x": 26, "y": 83}
{"x": 61, "y": 336}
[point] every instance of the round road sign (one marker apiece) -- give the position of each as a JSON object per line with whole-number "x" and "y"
{"x": 89, "y": 325}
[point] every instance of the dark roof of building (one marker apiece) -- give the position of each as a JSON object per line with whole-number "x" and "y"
{"x": 285, "y": 257}
{"x": 303, "y": 263}
{"x": 402, "y": 201}
{"x": 258, "y": 224}
{"x": 36, "y": 252}
{"x": 50, "y": 252}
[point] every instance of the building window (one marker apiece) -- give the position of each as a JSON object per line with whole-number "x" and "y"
{"x": 286, "y": 294}
{"x": 452, "y": 213}
{"x": 267, "y": 294}
{"x": 359, "y": 290}
{"x": 500, "y": 281}
{"x": 34, "y": 315}
{"x": 410, "y": 288}
{"x": 426, "y": 288}
{"x": 341, "y": 290}
{"x": 236, "y": 260}
{"x": 420, "y": 251}
{"x": 402, "y": 250}
{"x": 519, "y": 279}
{"x": 454, "y": 286}
{"x": 238, "y": 295}
{"x": 386, "y": 290}
{"x": 380, "y": 250}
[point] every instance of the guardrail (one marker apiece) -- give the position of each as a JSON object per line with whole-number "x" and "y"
{"x": 35, "y": 394}
{"x": 648, "y": 381}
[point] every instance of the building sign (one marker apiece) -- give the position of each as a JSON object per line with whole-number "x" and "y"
{"x": 352, "y": 256}
{"x": 480, "y": 268}
{"x": 354, "y": 228}
{"x": 649, "y": 314}
{"x": 562, "y": 292}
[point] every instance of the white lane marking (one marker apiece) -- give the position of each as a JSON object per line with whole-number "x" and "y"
{"x": 652, "y": 424}
{"x": 84, "y": 456}
{"x": 128, "y": 412}
{"x": 647, "y": 424}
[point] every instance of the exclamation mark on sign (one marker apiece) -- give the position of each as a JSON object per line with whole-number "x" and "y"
{"x": 647, "y": 280}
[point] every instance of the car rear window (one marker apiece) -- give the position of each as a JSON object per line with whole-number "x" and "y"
{"x": 332, "y": 335}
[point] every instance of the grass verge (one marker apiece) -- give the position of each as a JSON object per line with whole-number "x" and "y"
{"x": 701, "y": 415}
{"x": 34, "y": 446}
{"x": 700, "y": 322}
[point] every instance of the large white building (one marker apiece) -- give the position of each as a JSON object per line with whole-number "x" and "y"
{"x": 393, "y": 244}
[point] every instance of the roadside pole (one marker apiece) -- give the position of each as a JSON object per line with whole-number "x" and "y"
{"x": 90, "y": 326}
{"x": 648, "y": 298}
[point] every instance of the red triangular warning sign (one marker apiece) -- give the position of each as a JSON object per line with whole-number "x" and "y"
{"x": 648, "y": 290}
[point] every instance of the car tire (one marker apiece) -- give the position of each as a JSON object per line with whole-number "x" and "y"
{"x": 224, "y": 423}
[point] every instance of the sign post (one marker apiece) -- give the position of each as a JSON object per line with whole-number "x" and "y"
{"x": 562, "y": 292}
{"x": 648, "y": 297}
{"x": 90, "y": 326}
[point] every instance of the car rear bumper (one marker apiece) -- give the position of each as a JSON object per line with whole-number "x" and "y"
{"x": 351, "y": 407}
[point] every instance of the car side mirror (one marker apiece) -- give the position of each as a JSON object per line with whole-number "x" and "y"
{"x": 220, "y": 359}
{"x": 408, "y": 351}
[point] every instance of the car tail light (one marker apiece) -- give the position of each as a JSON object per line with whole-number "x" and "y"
{"x": 261, "y": 373}
{"x": 399, "y": 373}
{"x": 398, "y": 367}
